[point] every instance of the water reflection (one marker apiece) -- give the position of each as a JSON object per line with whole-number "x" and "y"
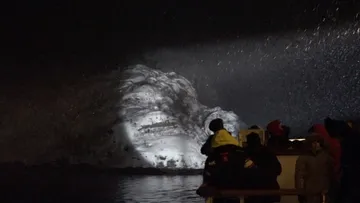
{"x": 60, "y": 186}
{"x": 159, "y": 189}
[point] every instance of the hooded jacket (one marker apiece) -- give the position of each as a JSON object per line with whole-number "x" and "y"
{"x": 332, "y": 144}
{"x": 223, "y": 137}
{"x": 275, "y": 128}
{"x": 220, "y": 138}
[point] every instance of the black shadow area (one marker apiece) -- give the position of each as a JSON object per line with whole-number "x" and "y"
{"x": 67, "y": 39}
{"x": 42, "y": 184}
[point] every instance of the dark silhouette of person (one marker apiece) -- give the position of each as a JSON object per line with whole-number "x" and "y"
{"x": 278, "y": 135}
{"x": 350, "y": 163}
{"x": 266, "y": 168}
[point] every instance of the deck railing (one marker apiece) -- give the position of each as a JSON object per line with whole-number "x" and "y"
{"x": 206, "y": 192}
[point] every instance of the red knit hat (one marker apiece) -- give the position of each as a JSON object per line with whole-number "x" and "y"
{"x": 275, "y": 128}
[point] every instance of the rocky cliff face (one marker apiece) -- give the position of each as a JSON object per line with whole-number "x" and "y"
{"x": 161, "y": 117}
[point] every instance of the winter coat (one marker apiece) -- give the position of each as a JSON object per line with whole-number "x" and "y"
{"x": 265, "y": 172}
{"x": 220, "y": 138}
{"x": 224, "y": 166}
{"x": 314, "y": 173}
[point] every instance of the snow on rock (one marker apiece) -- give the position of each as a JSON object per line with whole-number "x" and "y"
{"x": 163, "y": 119}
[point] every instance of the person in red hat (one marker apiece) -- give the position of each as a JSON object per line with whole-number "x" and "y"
{"x": 278, "y": 135}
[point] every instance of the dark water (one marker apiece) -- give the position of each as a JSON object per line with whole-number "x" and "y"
{"x": 159, "y": 189}
{"x": 98, "y": 188}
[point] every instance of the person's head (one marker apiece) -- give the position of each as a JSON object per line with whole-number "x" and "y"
{"x": 318, "y": 129}
{"x": 254, "y": 127}
{"x": 216, "y": 125}
{"x": 275, "y": 128}
{"x": 314, "y": 142}
{"x": 253, "y": 140}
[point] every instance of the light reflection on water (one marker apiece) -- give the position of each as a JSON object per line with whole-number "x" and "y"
{"x": 53, "y": 186}
{"x": 158, "y": 189}
{"x": 65, "y": 187}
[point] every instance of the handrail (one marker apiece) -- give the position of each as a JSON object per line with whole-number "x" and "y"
{"x": 206, "y": 191}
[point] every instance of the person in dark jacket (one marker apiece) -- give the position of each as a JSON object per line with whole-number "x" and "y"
{"x": 266, "y": 168}
{"x": 350, "y": 163}
{"x": 224, "y": 169}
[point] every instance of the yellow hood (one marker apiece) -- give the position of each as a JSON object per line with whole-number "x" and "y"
{"x": 223, "y": 137}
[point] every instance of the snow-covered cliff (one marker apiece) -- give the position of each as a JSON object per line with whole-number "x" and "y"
{"x": 161, "y": 117}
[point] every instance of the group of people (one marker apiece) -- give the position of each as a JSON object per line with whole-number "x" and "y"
{"x": 229, "y": 166}
{"x": 328, "y": 164}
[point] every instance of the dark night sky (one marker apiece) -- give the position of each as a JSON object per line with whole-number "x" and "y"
{"x": 55, "y": 42}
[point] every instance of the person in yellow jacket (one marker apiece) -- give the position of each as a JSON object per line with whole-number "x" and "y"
{"x": 220, "y": 137}
{"x": 225, "y": 163}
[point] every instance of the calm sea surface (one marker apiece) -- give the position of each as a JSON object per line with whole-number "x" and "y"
{"x": 159, "y": 189}
{"x": 99, "y": 188}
